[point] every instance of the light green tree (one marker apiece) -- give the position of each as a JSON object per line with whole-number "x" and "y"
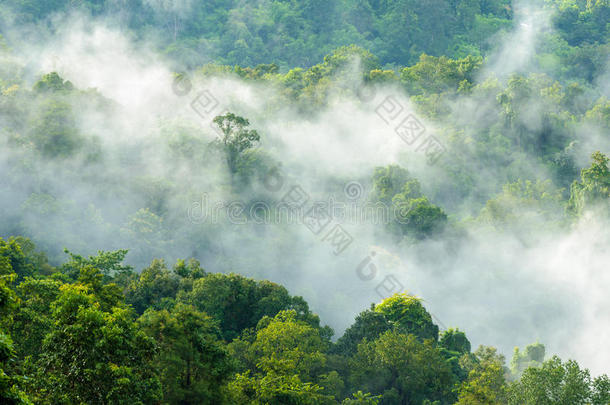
{"x": 486, "y": 383}
{"x": 558, "y": 383}
{"x": 407, "y": 313}
{"x": 10, "y": 390}
{"x": 532, "y": 356}
{"x": 289, "y": 357}
{"x": 95, "y": 356}
{"x": 593, "y": 190}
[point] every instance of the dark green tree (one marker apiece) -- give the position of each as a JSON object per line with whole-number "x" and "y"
{"x": 192, "y": 359}
{"x": 368, "y": 325}
{"x": 402, "y": 369}
{"x": 455, "y": 340}
{"x": 239, "y": 303}
{"x": 155, "y": 288}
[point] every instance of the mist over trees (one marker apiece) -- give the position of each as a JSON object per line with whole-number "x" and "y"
{"x": 304, "y": 202}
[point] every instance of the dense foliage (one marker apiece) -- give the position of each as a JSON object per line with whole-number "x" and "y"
{"x": 300, "y": 32}
{"x": 223, "y": 338}
{"x": 126, "y": 326}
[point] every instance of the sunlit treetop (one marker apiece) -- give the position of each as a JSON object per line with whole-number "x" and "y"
{"x": 408, "y": 314}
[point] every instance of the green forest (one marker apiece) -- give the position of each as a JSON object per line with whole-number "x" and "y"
{"x": 305, "y": 202}
{"x": 94, "y": 331}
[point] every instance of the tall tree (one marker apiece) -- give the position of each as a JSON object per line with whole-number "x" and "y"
{"x": 236, "y": 137}
{"x": 402, "y": 369}
{"x": 192, "y": 359}
{"x": 289, "y": 357}
{"x": 593, "y": 190}
{"x": 486, "y": 384}
{"x": 95, "y": 356}
{"x": 10, "y": 391}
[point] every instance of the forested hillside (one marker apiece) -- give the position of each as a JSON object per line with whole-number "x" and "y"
{"x": 298, "y": 33}
{"x": 304, "y": 202}
{"x": 94, "y": 331}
